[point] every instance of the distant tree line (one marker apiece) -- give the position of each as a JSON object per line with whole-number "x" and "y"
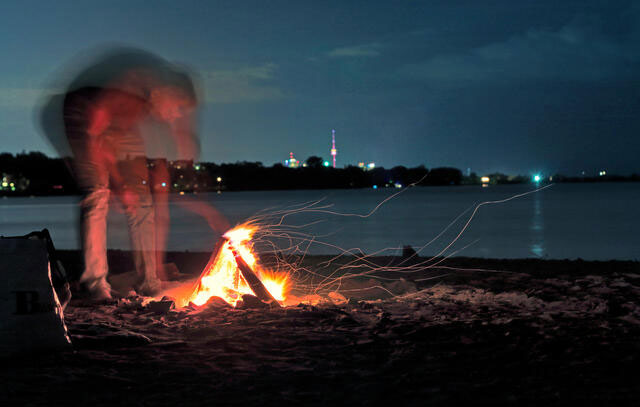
{"x": 34, "y": 173}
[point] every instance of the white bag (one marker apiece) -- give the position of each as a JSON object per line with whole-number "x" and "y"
{"x": 31, "y": 317}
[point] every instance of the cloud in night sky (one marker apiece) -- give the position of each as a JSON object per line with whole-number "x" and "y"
{"x": 245, "y": 84}
{"x": 575, "y": 52}
{"x": 20, "y": 97}
{"x": 365, "y": 50}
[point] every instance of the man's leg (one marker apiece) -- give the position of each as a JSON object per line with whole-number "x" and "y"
{"x": 93, "y": 224}
{"x": 139, "y": 210}
{"x": 159, "y": 176}
{"x": 142, "y": 231}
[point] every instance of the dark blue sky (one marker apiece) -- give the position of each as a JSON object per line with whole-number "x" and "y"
{"x": 515, "y": 86}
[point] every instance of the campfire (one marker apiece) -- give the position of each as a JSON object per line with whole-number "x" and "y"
{"x": 234, "y": 271}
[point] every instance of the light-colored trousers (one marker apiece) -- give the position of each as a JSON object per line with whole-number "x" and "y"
{"x": 94, "y": 209}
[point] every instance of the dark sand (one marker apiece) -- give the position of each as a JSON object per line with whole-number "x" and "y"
{"x": 544, "y": 333}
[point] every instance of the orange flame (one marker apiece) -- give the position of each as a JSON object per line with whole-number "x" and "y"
{"x": 223, "y": 279}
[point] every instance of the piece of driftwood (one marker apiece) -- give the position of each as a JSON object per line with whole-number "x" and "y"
{"x": 252, "y": 280}
{"x": 245, "y": 270}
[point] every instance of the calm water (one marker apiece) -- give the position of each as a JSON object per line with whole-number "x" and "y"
{"x": 590, "y": 221}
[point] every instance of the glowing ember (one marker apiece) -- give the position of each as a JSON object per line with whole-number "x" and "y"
{"x": 222, "y": 277}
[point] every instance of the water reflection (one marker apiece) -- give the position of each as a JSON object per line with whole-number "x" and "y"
{"x": 537, "y": 227}
{"x": 568, "y": 221}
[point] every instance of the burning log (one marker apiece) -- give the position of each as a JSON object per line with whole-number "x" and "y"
{"x": 250, "y": 277}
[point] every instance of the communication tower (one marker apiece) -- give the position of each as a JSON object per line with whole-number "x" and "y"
{"x": 334, "y": 152}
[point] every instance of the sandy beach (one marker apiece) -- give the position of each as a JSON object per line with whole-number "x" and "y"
{"x": 501, "y": 332}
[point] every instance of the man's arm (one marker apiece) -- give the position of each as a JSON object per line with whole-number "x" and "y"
{"x": 214, "y": 218}
{"x": 184, "y": 137}
{"x": 98, "y": 122}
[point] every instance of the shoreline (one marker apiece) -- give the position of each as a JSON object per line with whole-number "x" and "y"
{"x": 630, "y": 180}
{"x": 192, "y": 263}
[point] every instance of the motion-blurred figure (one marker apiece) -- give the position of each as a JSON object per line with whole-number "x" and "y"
{"x": 112, "y": 112}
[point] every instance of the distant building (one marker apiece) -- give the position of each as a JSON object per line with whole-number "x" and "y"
{"x": 291, "y": 162}
{"x": 368, "y": 166}
{"x": 181, "y": 164}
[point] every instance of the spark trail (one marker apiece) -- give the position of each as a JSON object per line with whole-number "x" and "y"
{"x": 331, "y": 275}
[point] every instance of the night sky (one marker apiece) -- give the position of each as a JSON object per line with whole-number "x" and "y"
{"x": 511, "y": 86}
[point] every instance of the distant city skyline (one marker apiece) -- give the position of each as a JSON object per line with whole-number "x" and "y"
{"x": 513, "y": 87}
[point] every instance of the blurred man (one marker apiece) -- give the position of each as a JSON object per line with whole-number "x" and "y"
{"x": 104, "y": 109}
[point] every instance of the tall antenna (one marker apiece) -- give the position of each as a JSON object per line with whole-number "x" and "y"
{"x": 334, "y": 152}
